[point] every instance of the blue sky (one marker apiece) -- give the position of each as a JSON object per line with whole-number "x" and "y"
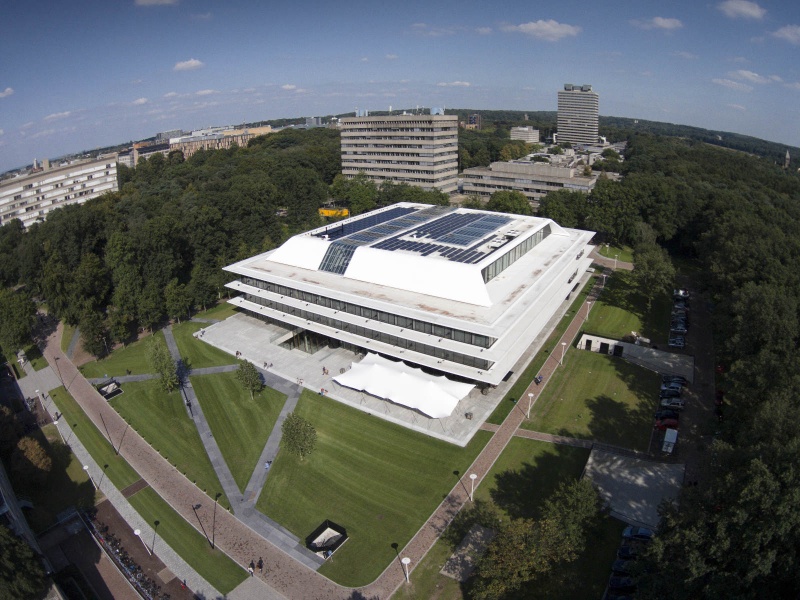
{"x": 78, "y": 75}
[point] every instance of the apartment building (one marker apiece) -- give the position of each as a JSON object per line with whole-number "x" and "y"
{"x": 420, "y": 150}
{"x": 578, "y": 114}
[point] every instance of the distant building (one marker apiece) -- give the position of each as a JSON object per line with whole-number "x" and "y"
{"x": 578, "y": 114}
{"x": 474, "y": 121}
{"x": 165, "y": 136}
{"x": 529, "y": 135}
{"x": 420, "y": 150}
{"x": 31, "y": 196}
{"x": 534, "y": 179}
{"x": 313, "y": 122}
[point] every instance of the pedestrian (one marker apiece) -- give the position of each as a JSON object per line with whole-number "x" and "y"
{"x": 251, "y": 568}
{"x": 260, "y": 565}
{"x": 265, "y": 364}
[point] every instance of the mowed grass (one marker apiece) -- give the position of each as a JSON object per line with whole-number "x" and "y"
{"x": 132, "y": 358}
{"x": 240, "y": 425}
{"x": 66, "y": 336}
{"x": 220, "y": 312}
{"x": 191, "y": 545}
{"x": 623, "y": 253}
{"x": 197, "y": 354}
{"x": 378, "y": 480}
{"x": 161, "y": 419}
{"x": 621, "y": 309}
{"x": 598, "y": 397}
{"x": 119, "y": 472}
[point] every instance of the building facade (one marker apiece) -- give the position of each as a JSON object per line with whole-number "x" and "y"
{"x": 529, "y": 135}
{"x": 30, "y": 197}
{"x": 578, "y": 114}
{"x": 420, "y": 150}
{"x": 533, "y": 179}
{"x": 460, "y": 292}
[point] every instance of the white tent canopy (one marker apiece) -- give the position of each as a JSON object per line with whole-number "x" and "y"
{"x": 434, "y": 396}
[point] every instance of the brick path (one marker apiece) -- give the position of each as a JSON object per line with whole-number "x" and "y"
{"x": 241, "y": 543}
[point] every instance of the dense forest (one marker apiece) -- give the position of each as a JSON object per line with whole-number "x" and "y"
{"x": 155, "y": 249}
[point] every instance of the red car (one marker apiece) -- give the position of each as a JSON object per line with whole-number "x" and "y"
{"x": 664, "y": 424}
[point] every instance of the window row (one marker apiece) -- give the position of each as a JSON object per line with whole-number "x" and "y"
{"x": 509, "y": 258}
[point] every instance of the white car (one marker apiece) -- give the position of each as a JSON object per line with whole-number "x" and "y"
{"x": 677, "y": 294}
{"x": 673, "y": 403}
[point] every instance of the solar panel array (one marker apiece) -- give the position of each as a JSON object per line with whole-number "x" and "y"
{"x": 336, "y": 231}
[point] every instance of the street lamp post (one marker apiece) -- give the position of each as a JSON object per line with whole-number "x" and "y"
{"x": 604, "y": 281}
{"x": 406, "y": 561}
{"x": 588, "y": 308}
{"x": 563, "y": 351}
{"x": 472, "y": 479}
{"x": 86, "y": 468}
{"x": 530, "y": 403}
{"x": 138, "y": 534}
{"x": 616, "y": 256}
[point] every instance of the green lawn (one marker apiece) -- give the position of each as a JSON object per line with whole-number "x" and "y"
{"x": 66, "y": 336}
{"x": 221, "y": 311}
{"x": 598, "y": 397}
{"x": 162, "y": 420}
{"x": 240, "y": 425}
{"x": 118, "y": 471}
{"x": 621, "y": 310}
{"x": 191, "y": 545}
{"x": 132, "y": 358}
{"x": 195, "y": 353}
{"x": 524, "y": 476}
{"x": 623, "y": 253}
{"x": 379, "y": 480}
{"x": 34, "y": 356}
{"x": 518, "y": 389}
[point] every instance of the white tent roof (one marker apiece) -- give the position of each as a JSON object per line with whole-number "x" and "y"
{"x": 434, "y": 396}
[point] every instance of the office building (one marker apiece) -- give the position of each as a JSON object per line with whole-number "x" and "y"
{"x": 31, "y": 196}
{"x": 534, "y": 179}
{"x": 420, "y": 150}
{"x": 578, "y": 114}
{"x": 474, "y": 121}
{"x": 529, "y": 135}
{"x": 460, "y": 292}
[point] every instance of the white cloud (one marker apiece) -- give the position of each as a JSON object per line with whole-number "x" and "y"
{"x": 425, "y": 29}
{"x": 170, "y": 94}
{"x": 364, "y": 59}
{"x": 737, "y": 106}
{"x": 155, "y": 2}
{"x": 550, "y": 30}
{"x": 483, "y": 30}
{"x": 136, "y": 81}
{"x": 751, "y": 77}
{"x": 789, "y": 33}
{"x": 205, "y": 92}
{"x": 740, "y": 59}
{"x": 454, "y": 84}
{"x": 6, "y": 92}
{"x": 793, "y": 86}
{"x": 27, "y": 125}
{"x": 391, "y": 57}
{"x": 201, "y": 17}
{"x": 667, "y": 24}
{"x": 736, "y": 9}
{"x": 43, "y": 133}
{"x": 139, "y": 101}
{"x": 59, "y": 115}
{"x": 734, "y": 85}
{"x": 188, "y": 65}
{"x": 288, "y": 86}
{"x": 686, "y": 55}
{"x": 1, "y": 132}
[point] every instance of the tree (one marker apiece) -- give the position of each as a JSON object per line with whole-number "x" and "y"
{"x": 177, "y": 300}
{"x": 299, "y": 436}
{"x": 17, "y": 316}
{"x": 509, "y": 202}
{"x": 30, "y": 461}
{"x": 94, "y": 336}
{"x": 163, "y": 364}
{"x": 249, "y": 377}
{"x": 653, "y": 272}
{"x": 21, "y": 572}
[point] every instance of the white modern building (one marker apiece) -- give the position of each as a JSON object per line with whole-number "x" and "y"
{"x": 31, "y": 196}
{"x": 420, "y": 150}
{"x": 534, "y": 179}
{"x": 458, "y": 292}
{"x": 578, "y": 114}
{"x": 529, "y": 135}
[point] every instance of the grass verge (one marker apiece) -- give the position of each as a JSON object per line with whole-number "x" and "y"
{"x": 377, "y": 479}
{"x": 162, "y": 420}
{"x": 598, "y": 397}
{"x": 215, "y": 566}
{"x": 220, "y": 312}
{"x": 623, "y": 253}
{"x": 66, "y": 336}
{"x": 240, "y": 425}
{"x": 132, "y": 358}
{"x": 196, "y": 354}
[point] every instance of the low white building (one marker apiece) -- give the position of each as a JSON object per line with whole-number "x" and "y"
{"x": 31, "y": 196}
{"x": 456, "y": 291}
{"x": 529, "y": 135}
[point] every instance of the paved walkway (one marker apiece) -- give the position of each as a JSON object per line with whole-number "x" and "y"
{"x": 73, "y": 343}
{"x": 610, "y": 263}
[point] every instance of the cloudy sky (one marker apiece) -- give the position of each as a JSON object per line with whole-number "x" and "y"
{"x": 89, "y": 73}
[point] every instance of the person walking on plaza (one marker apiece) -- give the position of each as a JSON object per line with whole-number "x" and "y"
{"x": 260, "y": 565}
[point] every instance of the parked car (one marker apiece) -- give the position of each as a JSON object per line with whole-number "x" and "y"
{"x": 666, "y": 413}
{"x": 664, "y": 424}
{"x": 673, "y": 403}
{"x": 680, "y": 293}
{"x": 680, "y": 304}
{"x": 678, "y": 329}
{"x": 628, "y": 552}
{"x": 678, "y": 378}
{"x": 671, "y": 386}
{"x": 622, "y": 567}
{"x": 637, "y": 533}
{"x": 622, "y": 583}
{"x": 669, "y": 394}
{"x": 677, "y": 341}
